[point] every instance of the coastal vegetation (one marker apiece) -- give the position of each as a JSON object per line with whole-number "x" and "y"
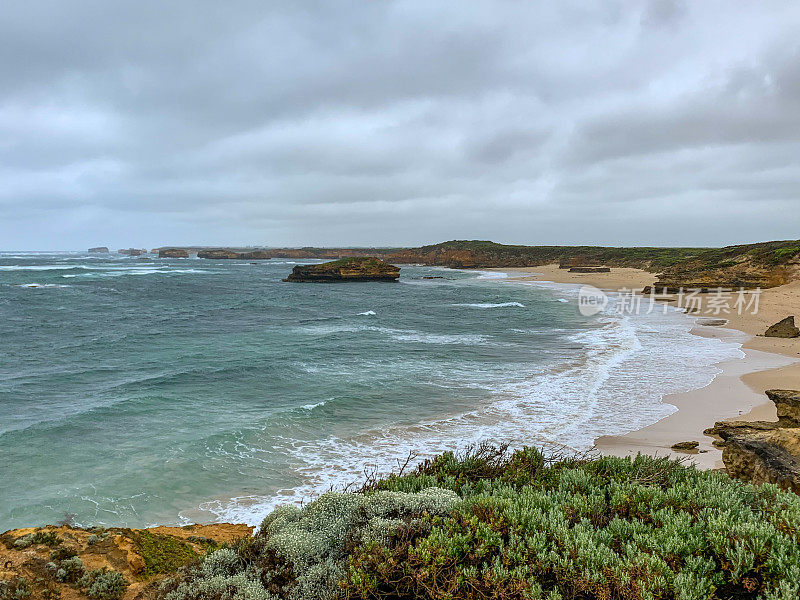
{"x": 765, "y": 264}
{"x": 495, "y": 524}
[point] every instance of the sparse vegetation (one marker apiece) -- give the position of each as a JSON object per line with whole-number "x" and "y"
{"x": 15, "y": 589}
{"x": 102, "y": 584}
{"x": 494, "y": 524}
{"x": 162, "y": 553}
{"x": 48, "y": 538}
{"x": 70, "y": 570}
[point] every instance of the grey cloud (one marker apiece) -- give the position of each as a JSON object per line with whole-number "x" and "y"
{"x": 319, "y": 122}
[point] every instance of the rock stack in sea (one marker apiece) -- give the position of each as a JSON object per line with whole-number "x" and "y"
{"x": 173, "y": 253}
{"x": 346, "y": 269}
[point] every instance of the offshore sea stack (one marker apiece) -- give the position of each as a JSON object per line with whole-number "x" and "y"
{"x": 346, "y": 269}
{"x": 783, "y": 329}
{"x": 765, "y": 451}
{"x": 173, "y": 253}
{"x": 99, "y": 250}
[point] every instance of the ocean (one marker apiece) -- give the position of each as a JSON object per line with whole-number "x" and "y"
{"x": 166, "y": 391}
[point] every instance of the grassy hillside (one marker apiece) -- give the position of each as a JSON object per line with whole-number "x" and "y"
{"x": 484, "y": 254}
{"x": 750, "y": 265}
{"x": 765, "y": 264}
{"x": 510, "y": 526}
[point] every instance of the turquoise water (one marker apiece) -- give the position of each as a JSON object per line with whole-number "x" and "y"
{"x": 137, "y": 392}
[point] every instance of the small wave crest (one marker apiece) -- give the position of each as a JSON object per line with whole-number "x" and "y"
{"x": 367, "y": 313}
{"x": 492, "y": 305}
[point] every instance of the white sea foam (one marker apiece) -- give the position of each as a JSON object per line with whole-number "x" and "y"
{"x": 562, "y": 300}
{"x": 492, "y": 275}
{"x": 367, "y": 313}
{"x": 493, "y": 305}
{"x": 400, "y": 335}
{"x": 612, "y": 385}
{"x": 39, "y": 267}
{"x": 139, "y": 271}
{"x": 43, "y": 285}
{"x": 313, "y": 406}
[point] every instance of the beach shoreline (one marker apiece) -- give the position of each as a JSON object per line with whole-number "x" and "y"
{"x": 735, "y": 393}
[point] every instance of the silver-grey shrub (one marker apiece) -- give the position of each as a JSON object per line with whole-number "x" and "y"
{"x": 309, "y": 543}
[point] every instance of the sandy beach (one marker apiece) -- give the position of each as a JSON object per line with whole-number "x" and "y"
{"x": 737, "y": 392}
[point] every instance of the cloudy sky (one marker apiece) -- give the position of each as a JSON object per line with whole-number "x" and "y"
{"x": 381, "y": 122}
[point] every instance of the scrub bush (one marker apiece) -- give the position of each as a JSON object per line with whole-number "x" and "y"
{"x": 495, "y": 524}
{"x": 102, "y": 584}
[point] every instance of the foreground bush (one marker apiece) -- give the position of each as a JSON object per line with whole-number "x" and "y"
{"x": 495, "y": 525}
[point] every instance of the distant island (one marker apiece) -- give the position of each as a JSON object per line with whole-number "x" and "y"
{"x": 346, "y": 269}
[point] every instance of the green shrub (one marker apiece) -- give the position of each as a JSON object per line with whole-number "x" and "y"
{"x": 48, "y": 538}
{"x": 15, "y": 589}
{"x": 301, "y": 553}
{"x": 102, "y": 584}
{"x": 786, "y": 253}
{"x": 162, "y": 553}
{"x": 610, "y": 528}
{"x": 70, "y": 570}
{"x": 494, "y": 524}
{"x": 62, "y": 553}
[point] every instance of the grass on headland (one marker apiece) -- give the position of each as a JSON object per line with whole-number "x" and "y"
{"x": 494, "y": 524}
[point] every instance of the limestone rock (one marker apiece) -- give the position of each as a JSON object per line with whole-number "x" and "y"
{"x": 589, "y": 269}
{"x": 788, "y": 404}
{"x": 224, "y": 254}
{"x": 684, "y": 446}
{"x": 346, "y": 269}
{"x": 765, "y": 457}
{"x": 98, "y": 249}
{"x": 173, "y": 253}
{"x": 783, "y": 329}
{"x": 762, "y": 451}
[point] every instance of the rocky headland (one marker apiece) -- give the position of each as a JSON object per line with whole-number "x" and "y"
{"x": 765, "y": 265}
{"x": 346, "y": 269}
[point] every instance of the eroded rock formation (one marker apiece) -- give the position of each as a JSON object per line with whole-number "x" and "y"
{"x": 223, "y": 254}
{"x": 783, "y": 329}
{"x": 346, "y": 269}
{"x": 765, "y": 451}
{"x": 173, "y": 253}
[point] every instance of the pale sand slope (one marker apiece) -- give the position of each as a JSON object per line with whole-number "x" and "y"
{"x": 736, "y": 393}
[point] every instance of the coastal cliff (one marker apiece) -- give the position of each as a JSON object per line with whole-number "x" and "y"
{"x": 346, "y": 269}
{"x": 766, "y": 264}
{"x": 71, "y": 563}
{"x": 765, "y": 451}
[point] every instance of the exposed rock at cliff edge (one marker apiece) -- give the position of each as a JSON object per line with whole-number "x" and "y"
{"x": 765, "y": 451}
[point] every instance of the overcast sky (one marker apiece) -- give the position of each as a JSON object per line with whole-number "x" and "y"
{"x": 376, "y": 122}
